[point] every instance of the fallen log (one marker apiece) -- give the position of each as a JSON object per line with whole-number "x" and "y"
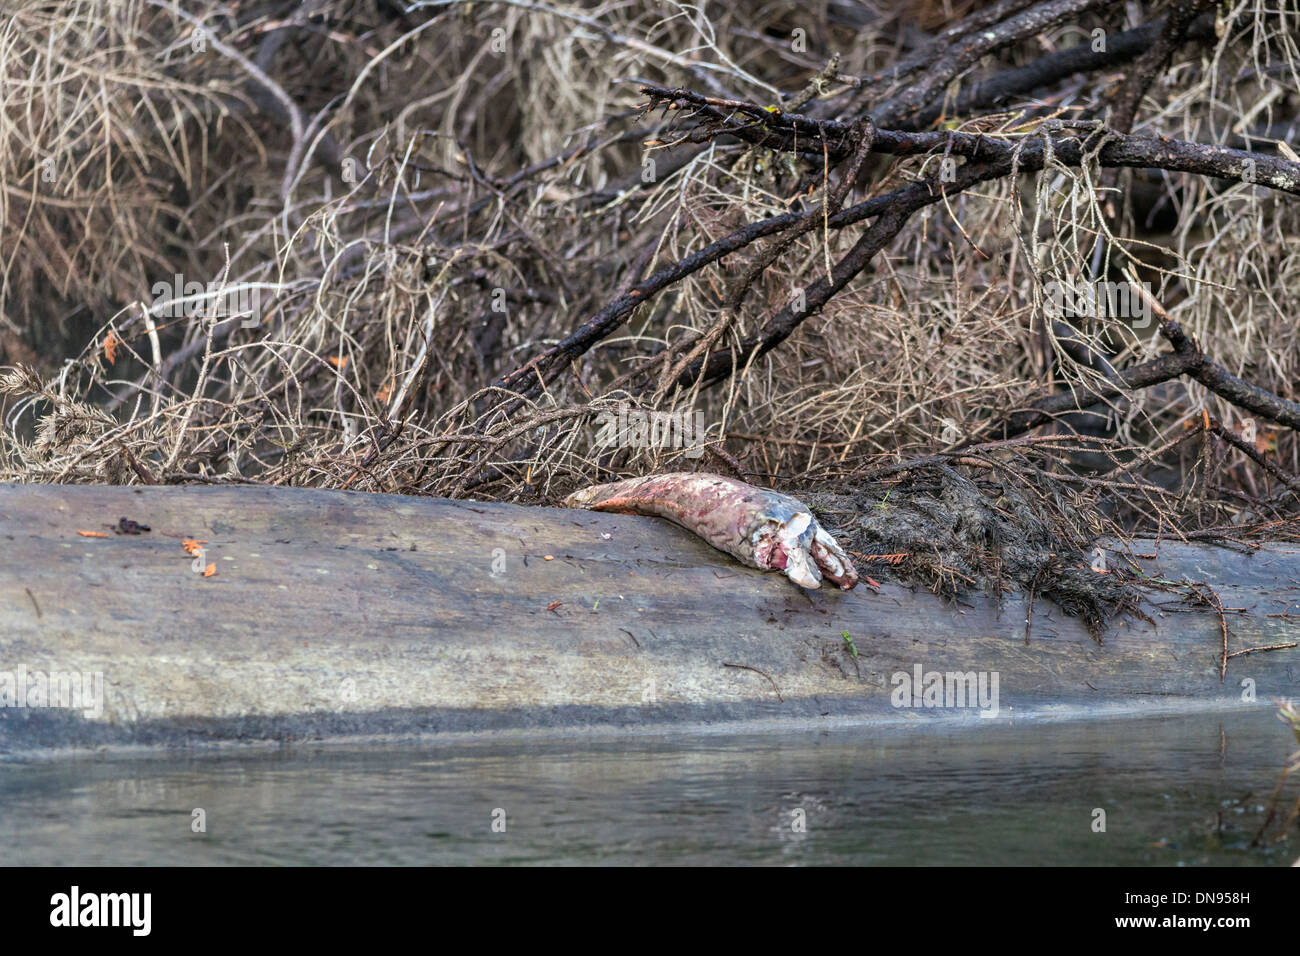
{"x": 301, "y": 615}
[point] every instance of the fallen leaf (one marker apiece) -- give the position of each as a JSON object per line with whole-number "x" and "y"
{"x": 92, "y": 534}
{"x": 111, "y": 342}
{"x": 210, "y": 570}
{"x": 191, "y": 545}
{"x": 553, "y": 605}
{"x": 338, "y": 361}
{"x": 384, "y": 394}
{"x": 548, "y": 557}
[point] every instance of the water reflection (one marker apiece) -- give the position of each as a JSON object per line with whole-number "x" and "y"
{"x": 1184, "y": 790}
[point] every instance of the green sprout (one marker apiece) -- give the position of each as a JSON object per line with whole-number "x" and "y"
{"x": 849, "y": 641}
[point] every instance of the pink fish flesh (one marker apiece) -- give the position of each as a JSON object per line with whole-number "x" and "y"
{"x": 762, "y": 529}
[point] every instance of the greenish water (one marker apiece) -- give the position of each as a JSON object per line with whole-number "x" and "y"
{"x": 1175, "y": 791}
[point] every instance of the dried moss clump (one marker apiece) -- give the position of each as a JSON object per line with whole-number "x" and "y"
{"x": 954, "y": 535}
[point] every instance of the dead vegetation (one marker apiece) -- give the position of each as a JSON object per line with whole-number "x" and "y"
{"x": 1278, "y": 819}
{"x": 993, "y": 526}
{"x": 421, "y": 248}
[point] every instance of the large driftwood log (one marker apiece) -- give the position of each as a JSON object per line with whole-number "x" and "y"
{"x": 339, "y": 615}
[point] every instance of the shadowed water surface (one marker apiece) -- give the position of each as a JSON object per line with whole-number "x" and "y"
{"x": 1176, "y": 791}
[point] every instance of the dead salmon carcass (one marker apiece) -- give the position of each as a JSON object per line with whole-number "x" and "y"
{"x": 762, "y": 529}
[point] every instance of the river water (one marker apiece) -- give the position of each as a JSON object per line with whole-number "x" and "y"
{"x": 1186, "y": 790}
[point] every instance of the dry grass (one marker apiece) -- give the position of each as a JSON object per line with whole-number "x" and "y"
{"x": 422, "y": 204}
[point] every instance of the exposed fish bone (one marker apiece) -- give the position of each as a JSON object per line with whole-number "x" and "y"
{"x": 760, "y": 528}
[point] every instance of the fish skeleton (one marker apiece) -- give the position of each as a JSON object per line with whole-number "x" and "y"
{"x": 760, "y": 528}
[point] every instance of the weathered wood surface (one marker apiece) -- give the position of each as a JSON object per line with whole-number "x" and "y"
{"x": 340, "y": 615}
